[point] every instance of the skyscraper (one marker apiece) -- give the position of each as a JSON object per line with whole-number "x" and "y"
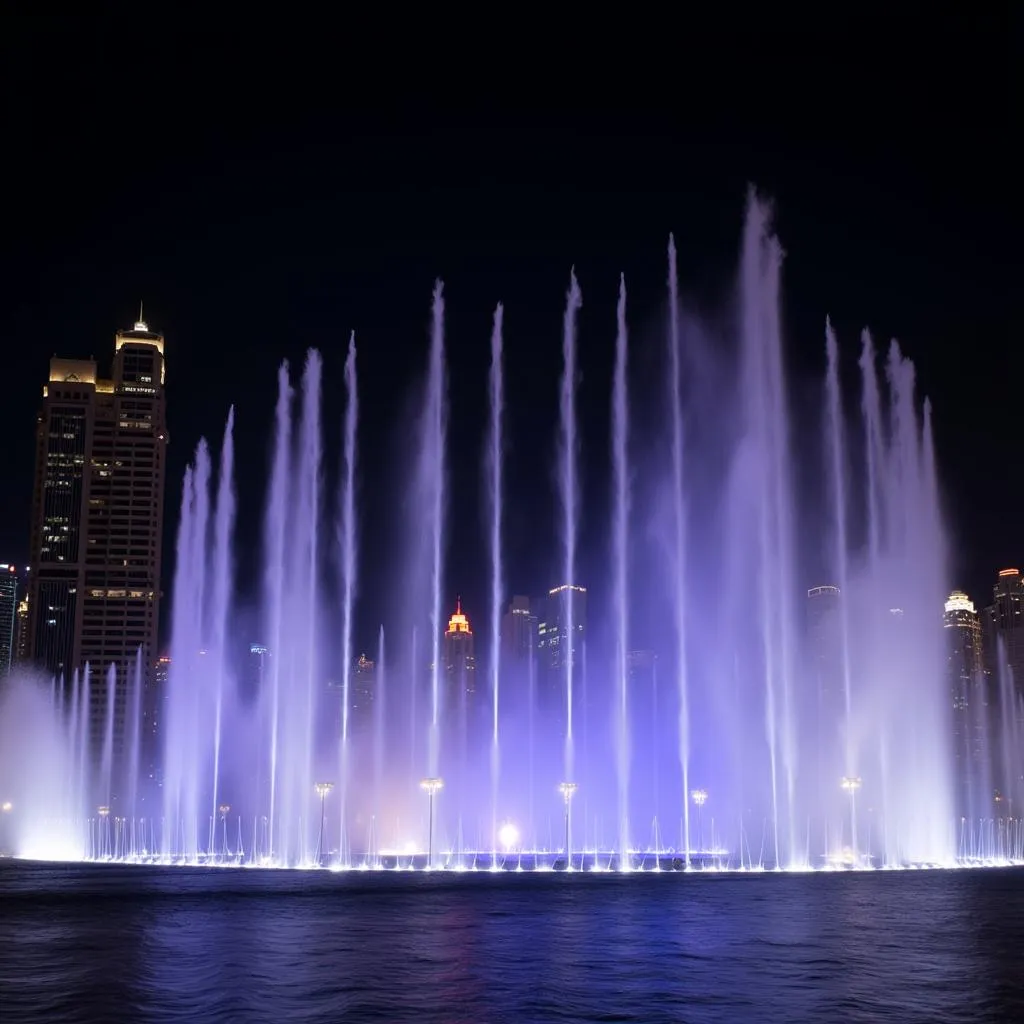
{"x": 518, "y": 634}
{"x": 8, "y": 616}
{"x": 94, "y": 585}
{"x": 1003, "y": 627}
{"x": 459, "y": 657}
{"x": 962, "y": 629}
{"x": 561, "y": 634}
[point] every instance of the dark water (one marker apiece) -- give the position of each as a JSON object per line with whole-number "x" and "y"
{"x": 143, "y": 944}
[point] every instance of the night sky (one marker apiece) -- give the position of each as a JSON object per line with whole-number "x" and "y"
{"x": 264, "y": 195}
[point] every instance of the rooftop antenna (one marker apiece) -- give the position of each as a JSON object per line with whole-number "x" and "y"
{"x": 140, "y": 324}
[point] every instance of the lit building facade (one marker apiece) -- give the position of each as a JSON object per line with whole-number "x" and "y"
{"x": 8, "y": 616}
{"x": 97, "y": 524}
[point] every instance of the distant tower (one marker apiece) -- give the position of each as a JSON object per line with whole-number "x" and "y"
{"x": 97, "y": 521}
{"x": 8, "y": 616}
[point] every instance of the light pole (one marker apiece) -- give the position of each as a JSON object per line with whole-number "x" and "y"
{"x": 432, "y": 786}
{"x": 700, "y": 797}
{"x": 322, "y": 789}
{"x": 225, "y": 810}
{"x": 567, "y": 789}
{"x": 851, "y": 783}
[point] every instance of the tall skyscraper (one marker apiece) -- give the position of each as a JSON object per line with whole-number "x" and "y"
{"x": 8, "y": 616}
{"x": 962, "y": 629}
{"x": 518, "y": 634}
{"x": 561, "y": 630}
{"x": 459, "y": 657}
{"x": 94, "y": 585}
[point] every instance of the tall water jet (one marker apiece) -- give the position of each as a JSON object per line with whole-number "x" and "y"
{"x": 837, "y": 476}
{"x": 183, "y": 746}
{"x": 569, "y": 495}
{"x": 678, "y": 559}
{"x": 275, "y": 543}
{"x": 433, "y": 469}
{"x": 379, "y": 718}
{"x": 764, "y": 398}
{"x": 222, "y": 593}
{"x": 494, "y": 466}
{"x": 347, "y": 530}
{"x": 306, "y": 537}
{"x": 135, "y": 737}
{"x": 620, "y": 557}
{"x": 107, "y": 763}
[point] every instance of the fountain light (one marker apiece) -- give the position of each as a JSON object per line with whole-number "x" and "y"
{"x": 322, "y": 789}
{"x": 432, "y": 787}
{"x": 508, "y": 836}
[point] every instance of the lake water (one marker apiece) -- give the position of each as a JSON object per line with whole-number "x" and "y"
{"x": 108, "y": 944}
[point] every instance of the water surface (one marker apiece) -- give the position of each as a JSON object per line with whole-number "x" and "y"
{"x": 116, "y": 943}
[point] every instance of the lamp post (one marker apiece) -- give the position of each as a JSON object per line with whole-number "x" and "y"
{"x": 851, "y": 783}
{"x": 225, "y": 810}
{"x": 567, "y": 789}
{"x": 431, "y": 786}
{"x": 322, "y": 789}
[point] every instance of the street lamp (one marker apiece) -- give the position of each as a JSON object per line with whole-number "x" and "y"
{"x": 567, "y": 789}
{"x": 225, "y": 810}
{"x": 700, "y": 798}
{"x": 322, "y": 789}
{"x": 851, "y": 783}
{"x": 432, "y": 786}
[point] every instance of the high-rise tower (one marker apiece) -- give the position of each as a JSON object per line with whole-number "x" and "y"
{"x": 97, "y": 522}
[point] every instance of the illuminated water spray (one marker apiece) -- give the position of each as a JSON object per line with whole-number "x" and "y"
{"x": 222, "y": 593}
{"x": 678, "y": 551}
{"x": 434, "y": 469}
{"x": 497, "y": 401}
{"x": 620, "y": 563}
{"x": 347, "y": 532}
{"x": 568, "y": 492}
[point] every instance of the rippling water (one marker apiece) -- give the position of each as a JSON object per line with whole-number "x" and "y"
{"x": 112, "y": 944}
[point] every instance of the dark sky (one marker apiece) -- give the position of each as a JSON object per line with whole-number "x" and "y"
{"x": 267, "y": 194}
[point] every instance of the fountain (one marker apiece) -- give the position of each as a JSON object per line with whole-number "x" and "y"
{"x": 770, "y": 741}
